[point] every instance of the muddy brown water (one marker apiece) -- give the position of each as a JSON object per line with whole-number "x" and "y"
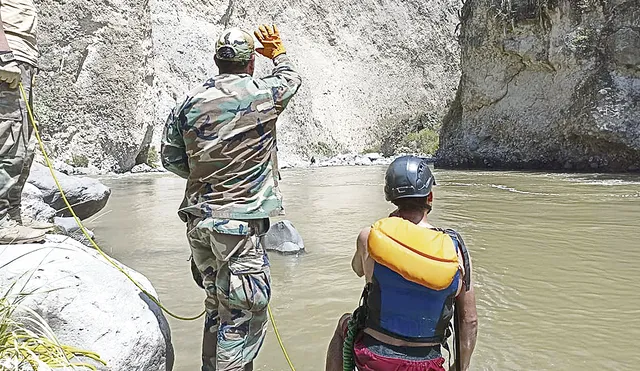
{"x": 556, "y": 261}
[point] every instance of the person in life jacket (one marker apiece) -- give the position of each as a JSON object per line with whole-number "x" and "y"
{"x": 415, "y": 275}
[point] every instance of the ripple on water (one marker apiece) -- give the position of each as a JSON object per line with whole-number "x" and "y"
{"x": 555, "y": 261}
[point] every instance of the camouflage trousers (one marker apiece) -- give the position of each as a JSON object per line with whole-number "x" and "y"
{"x": 236, "y": 277}
{"x": 16, "y": 146}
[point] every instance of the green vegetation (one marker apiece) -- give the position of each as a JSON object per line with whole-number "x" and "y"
{"x": 27, "y": 341}
{"x": 153, "y": 158}
{"x": 79, "y": 161}
{"x": 408, "y": 133}
{"x": 424, "y": 142}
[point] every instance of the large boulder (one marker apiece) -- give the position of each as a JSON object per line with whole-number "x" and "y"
{"x": 283, "y": 238}
{"x": 87, "y": 196}
{"x": 547, "y": 84}
{"x": 89, "y": 304}
{"x": 111, "y": 70}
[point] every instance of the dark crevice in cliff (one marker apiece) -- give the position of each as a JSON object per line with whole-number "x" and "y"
{"x": 224, "y": 20}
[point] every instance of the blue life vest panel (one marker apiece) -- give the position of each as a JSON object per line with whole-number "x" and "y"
{"x": 407, "y": 310}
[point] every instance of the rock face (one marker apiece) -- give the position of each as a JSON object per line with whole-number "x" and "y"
{"x": 89, "y": 304}
{"x": 112, "y": 70}
{"x": 96, "y": 81}
{"x": 549, "y": 84}
{"x": 284, "y": 238}
{"x": 87, "y": 196}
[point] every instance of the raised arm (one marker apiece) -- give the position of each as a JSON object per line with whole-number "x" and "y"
{"x": 284, "y": 81}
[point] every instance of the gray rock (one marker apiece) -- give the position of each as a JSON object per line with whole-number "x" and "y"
{"x": 111, "y": 70}
{"x": 355, "y": 160}
{"x": 362, "y": 161}
{"x": 68, "y": 227}
{"x": 552, "y": 84}
{"x": 33, "y": 205}
{"x": 284, "y": 238}
{"x": 63, "y": 167}
{"x": 89, "y": 304}
{"x": 142, "y": 168}
{"x": 87, "y": 196}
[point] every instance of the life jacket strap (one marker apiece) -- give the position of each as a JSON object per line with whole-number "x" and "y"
{"x": 464, "y": 252}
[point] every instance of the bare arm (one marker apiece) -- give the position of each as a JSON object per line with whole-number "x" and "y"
{"x": 357, "y": 263}
{"x": 468, "y": 320}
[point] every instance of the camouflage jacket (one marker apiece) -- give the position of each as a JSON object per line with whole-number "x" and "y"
{"x": 222, "y": 139}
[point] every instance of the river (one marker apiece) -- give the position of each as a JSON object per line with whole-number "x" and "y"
{"x": 555, "y": 261}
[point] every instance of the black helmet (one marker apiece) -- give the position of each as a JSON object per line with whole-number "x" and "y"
{"x": 408, "y": 176}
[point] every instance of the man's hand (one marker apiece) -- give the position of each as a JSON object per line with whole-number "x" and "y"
{"x": 10, "y": 73}
{"x": 270, "y": 39}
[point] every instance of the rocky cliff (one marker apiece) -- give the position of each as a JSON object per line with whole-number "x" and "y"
{"x": 547, "y": 84}
{"x": 111, "y": 70}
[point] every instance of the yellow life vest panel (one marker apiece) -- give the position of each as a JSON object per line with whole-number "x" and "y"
{"x": 421, "y": 255}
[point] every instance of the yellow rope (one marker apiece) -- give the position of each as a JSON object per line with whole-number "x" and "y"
{"x": 107, "y": 258}
{"x": 82, "y": 228}
{"x": 275, "y": 330}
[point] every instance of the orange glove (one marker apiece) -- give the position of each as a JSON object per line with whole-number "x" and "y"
{"x": 270, "y": 40}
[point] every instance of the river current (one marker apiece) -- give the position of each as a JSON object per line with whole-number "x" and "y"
{"x": 556, "y": 261}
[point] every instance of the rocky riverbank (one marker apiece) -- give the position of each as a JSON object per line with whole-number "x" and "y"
{"x": 284, "y": 162}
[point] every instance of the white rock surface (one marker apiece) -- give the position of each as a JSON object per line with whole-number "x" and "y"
{"x": 33, "y": 205}
{"x": 89, "y": 304}
{"x": 111, "y": 70}
{"x": 284, "y": 238}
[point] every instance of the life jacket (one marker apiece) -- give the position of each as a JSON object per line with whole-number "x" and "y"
{"x": 416, "y": 278}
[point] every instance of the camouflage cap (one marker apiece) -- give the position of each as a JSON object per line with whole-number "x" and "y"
{"x": 235, "y": 45}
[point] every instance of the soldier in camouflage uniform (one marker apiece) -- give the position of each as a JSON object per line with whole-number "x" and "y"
{"x": 18, "y": 60}
{"x": 222, "y": 139}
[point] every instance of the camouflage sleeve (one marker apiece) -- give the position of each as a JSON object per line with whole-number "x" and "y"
{"x": 284, "y": 81}
{"x": 173, "y": 153}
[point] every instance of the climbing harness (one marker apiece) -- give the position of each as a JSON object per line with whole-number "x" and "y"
{"x": 104, "y": 255}
{"x": 354, "y": 326}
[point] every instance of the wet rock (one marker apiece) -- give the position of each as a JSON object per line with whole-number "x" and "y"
{"x": 89, "y": 304}
{"x": 284, "y": 238}
{"x": 547, "y": 85}
{"x": 87, "y": 196}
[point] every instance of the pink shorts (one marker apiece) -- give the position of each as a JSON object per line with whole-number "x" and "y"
{"x": 373, "y": 355}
